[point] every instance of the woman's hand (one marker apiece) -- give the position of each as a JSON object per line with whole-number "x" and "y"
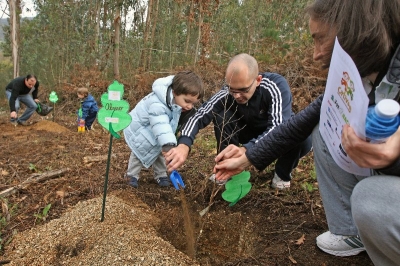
{"x": 371, "y": 155}
{"x": 231, "y": 161}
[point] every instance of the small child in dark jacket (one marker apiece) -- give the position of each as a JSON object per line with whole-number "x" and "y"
{"x": 88, "y": 111}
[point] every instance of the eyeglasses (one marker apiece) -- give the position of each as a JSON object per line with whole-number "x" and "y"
{"x": 240, "y": 91}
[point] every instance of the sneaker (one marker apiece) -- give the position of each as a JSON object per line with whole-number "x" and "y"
{"x": 218, "y": 182}
{"x": 338, "y": 245}
{"x": 163, "y": 181}
{"x": 133, "y": 182}
{"x": 278, "y": 183}
{"x": 22, "y": 123}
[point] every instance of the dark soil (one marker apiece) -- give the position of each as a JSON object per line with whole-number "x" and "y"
{"x": 266, "y": 227}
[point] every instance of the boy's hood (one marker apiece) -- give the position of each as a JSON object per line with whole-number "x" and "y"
{"x": 160, "y": 88}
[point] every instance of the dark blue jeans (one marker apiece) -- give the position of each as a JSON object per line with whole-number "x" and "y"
{"x": 89, "y": 120}
{"x": 26, "y": 99}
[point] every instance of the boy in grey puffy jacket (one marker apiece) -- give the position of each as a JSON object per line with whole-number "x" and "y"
{"x": 156, "y": 119}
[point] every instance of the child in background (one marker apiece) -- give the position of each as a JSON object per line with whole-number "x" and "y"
{"x": 155, "y": 120}
{"x": 88, "y": 111}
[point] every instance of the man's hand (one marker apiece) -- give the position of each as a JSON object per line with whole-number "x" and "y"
{"x": 13, "y": 114}
{"x": 370, "y": 155}
{"x": 175, "y": 157}
{"x": 36, "y": 100}
{"x": 231, "y": 161}
{"x": 232, "y": 151}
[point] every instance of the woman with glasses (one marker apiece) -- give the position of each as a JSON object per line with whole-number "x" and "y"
{"x": 362, "y": 212}
{"x": 245, "y": 110}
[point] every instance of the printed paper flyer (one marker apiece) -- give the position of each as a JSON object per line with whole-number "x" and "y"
{"x": 345, "y": 102}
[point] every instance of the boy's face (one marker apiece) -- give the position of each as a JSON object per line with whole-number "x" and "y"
{"x": 80, "y": 96}
{"x": 186, "y": 101}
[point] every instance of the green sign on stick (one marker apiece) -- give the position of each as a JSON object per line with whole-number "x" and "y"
{"x": 53, "y": 98}
{"x": 114, "y": 117}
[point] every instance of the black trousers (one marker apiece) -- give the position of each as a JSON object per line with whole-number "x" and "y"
{"x": 229, "y": 128}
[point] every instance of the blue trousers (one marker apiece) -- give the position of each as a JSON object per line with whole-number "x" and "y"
{"x": 26, "y": 99}
{"x": 89, "y": 120}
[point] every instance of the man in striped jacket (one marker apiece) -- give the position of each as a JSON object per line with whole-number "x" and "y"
{"x": 247, "y": 108}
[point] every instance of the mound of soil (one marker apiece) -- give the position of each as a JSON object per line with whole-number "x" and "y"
{"x": 126, "y": 236}
{"x": 49, "y": 126}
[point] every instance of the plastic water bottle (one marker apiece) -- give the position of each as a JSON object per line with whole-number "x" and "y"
{"x": 382, "y": 120}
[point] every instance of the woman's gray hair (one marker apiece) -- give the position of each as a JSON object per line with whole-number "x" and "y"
{"x": 368, "y": 30}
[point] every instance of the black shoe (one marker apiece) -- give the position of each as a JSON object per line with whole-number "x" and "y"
{"x": 133, "y": 182}
{"x": 163, "y": 181}
{"x": 22, "y": 123}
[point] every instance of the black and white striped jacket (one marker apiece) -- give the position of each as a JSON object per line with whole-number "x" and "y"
{"x": 270, "y": 105}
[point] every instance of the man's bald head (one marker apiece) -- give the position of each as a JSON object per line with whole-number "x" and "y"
{"x": 243, "y": 64}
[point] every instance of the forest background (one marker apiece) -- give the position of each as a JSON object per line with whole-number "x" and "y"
{"x": 123, "y": 39}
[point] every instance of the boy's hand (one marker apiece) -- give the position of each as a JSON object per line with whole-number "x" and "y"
{"x": 175, "y": 157}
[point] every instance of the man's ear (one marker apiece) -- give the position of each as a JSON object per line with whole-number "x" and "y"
{"x": 259, "y": 78}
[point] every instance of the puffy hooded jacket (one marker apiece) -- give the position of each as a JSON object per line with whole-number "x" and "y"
{"x": 88, "y": 106}
{"x": 154, "y": 122}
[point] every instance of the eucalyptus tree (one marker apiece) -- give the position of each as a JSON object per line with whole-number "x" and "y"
{"x": 68, "y": 35}
{"x": 15, "y": 11}
{"x": 71, "y": 34}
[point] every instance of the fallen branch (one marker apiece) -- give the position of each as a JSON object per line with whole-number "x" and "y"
{"x": 31, "y": 179}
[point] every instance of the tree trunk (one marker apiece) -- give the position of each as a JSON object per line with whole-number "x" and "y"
{"x": 197, "y": 51}
{"x": 97, "y": 38}
{"x": 117, "y": 27}
{"x": 14, "y": 27}
{"x": 153, "y": 31}
{"x": 188, "y": 27}
{"x": 143, "y": 56}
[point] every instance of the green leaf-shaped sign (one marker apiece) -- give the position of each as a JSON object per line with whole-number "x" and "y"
{"x": 237, "y": 188}
{"x": 114, "y": 116}
{"x": 53, "y": 97}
